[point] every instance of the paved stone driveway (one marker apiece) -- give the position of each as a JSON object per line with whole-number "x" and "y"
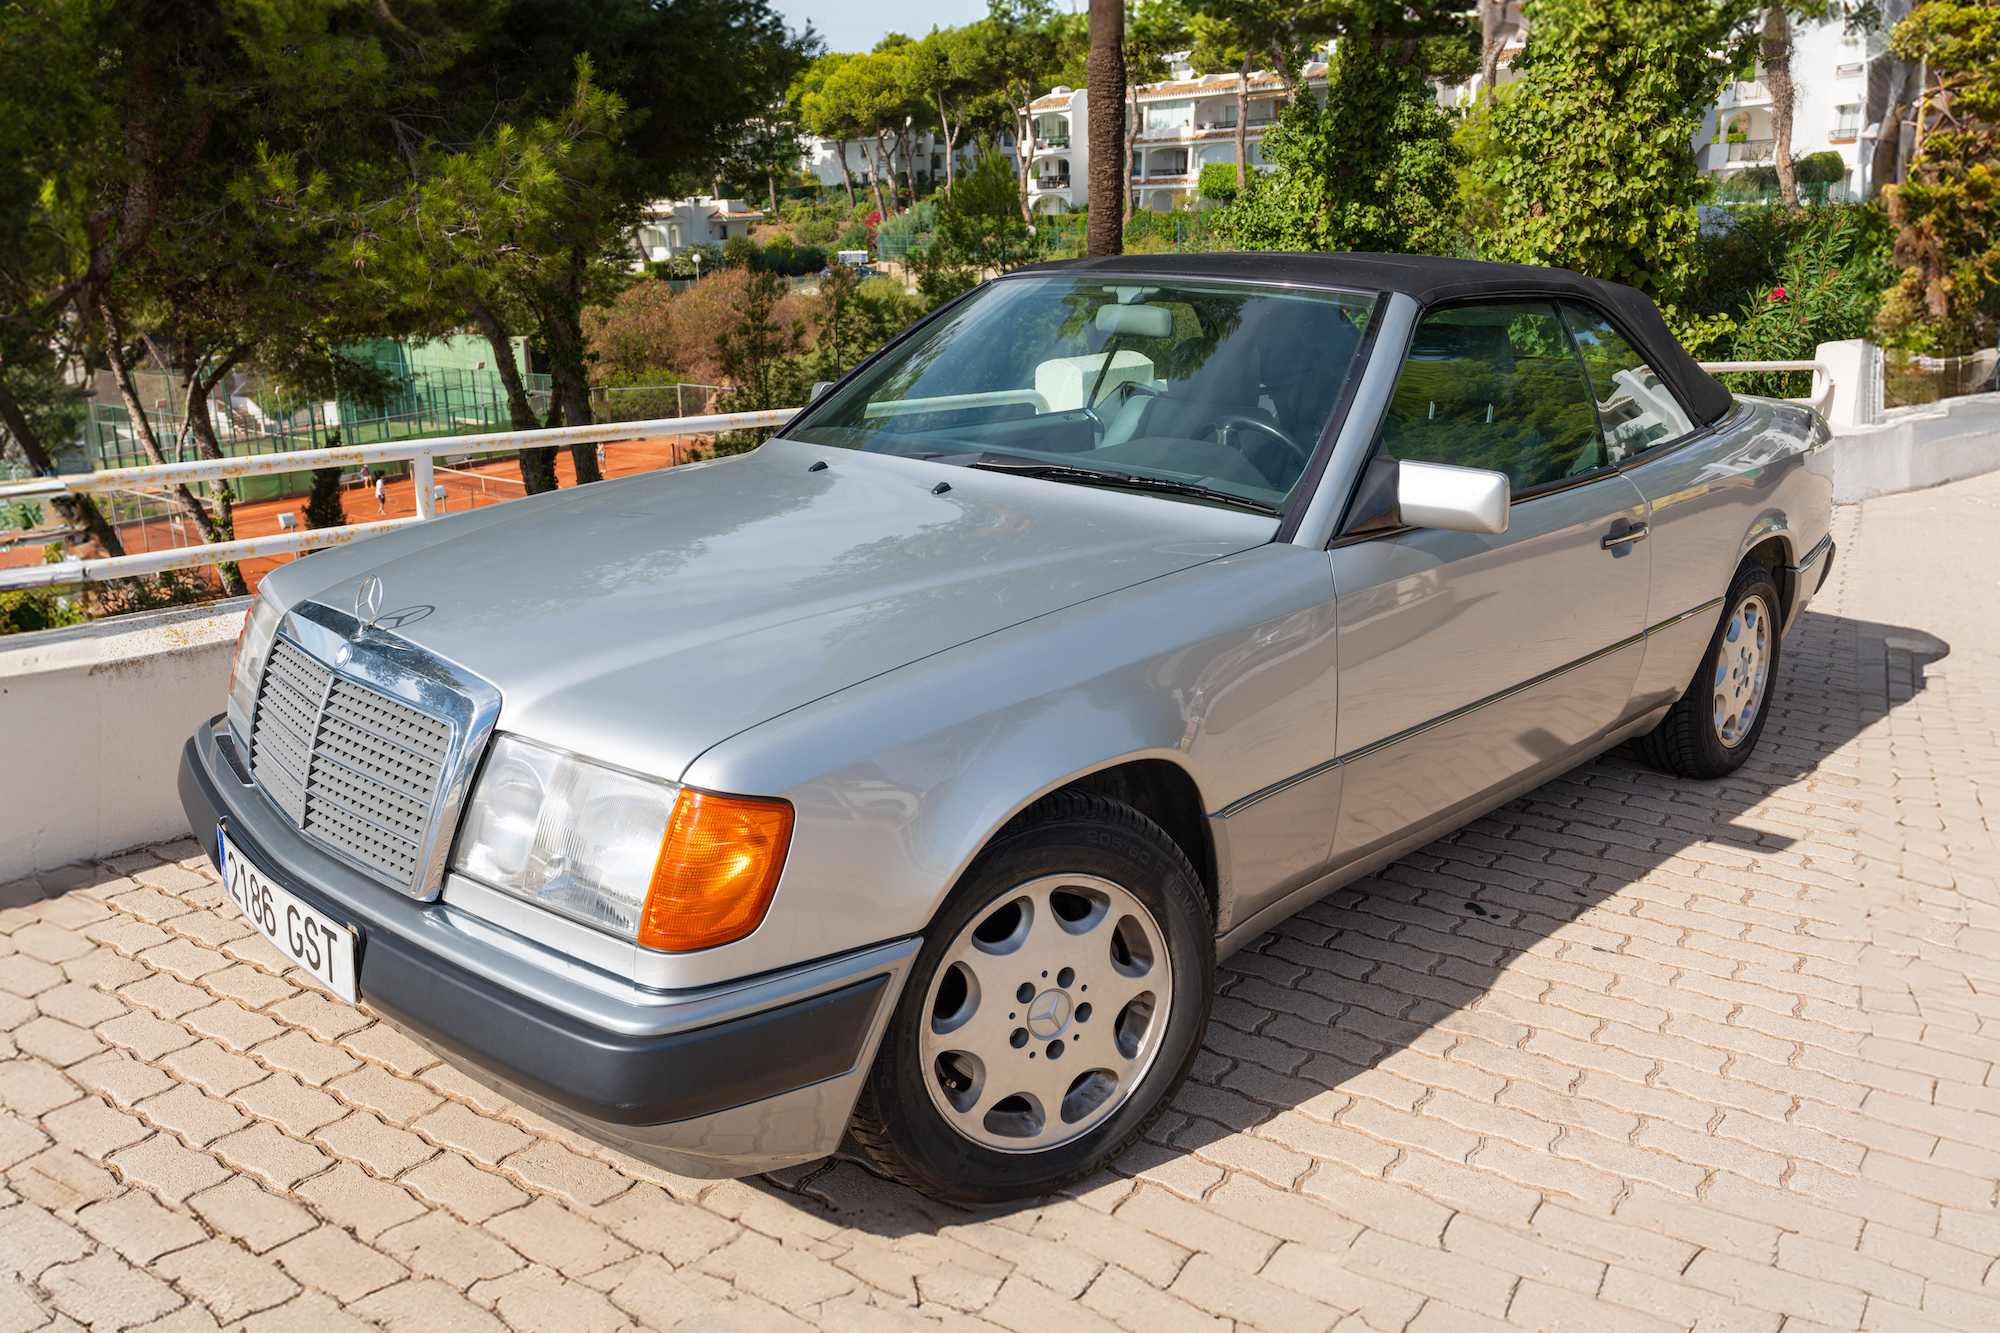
{"x": 1629, "y": 1054}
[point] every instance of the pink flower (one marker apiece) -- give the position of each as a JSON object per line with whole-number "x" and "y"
{"x": 1778, "y": 294}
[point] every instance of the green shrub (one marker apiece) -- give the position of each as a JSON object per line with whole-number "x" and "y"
{"x": 816, "y": 231}
{"x": 1218, "y": 181}
{"x": 1827, "y": 166}
{"x": 32, "y": 609}
{"x": 1796, "y": 281}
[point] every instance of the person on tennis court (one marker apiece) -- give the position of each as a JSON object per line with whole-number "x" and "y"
{"x": 382, "y": 492}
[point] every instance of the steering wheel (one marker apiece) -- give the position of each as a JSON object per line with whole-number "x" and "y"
{"x": 1224, "y": 424}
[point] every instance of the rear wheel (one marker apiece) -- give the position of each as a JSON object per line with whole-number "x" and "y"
{"x": 1054, "y": 1010}
{"x": 1712, "y": 729}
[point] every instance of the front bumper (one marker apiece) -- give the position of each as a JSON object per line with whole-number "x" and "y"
{"x": 719, "y": 1081}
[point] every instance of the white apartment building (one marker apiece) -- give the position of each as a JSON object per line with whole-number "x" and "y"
{"x": 669, "y": 226}
{"x": 1185, "y": 124}
{"x": 1845, "y": 84}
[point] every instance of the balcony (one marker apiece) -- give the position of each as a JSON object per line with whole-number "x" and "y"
{"x": 1745, "y": 93}
{"x": 1752, "y": 150}
{"x": 1053, "y": 141}
{"x": 1051, "y": 182}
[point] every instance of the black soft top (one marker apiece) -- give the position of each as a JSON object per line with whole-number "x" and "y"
{"x": 1430, "y": 281}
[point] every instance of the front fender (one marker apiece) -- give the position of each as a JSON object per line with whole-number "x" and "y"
{"x": 899, "y": 781}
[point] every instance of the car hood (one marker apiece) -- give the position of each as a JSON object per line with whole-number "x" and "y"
{"x": 643, "y": 620}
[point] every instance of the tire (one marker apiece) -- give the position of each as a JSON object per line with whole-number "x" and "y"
{"x": 1712, "y": 729}
{"x": 1086, "y": 892}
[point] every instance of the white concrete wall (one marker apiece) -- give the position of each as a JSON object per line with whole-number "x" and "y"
{"x": 92, "y": 719}
{"x": 1914, "y": 448}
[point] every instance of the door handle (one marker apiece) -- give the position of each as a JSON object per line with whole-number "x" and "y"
{"x": 1638, "y": 532}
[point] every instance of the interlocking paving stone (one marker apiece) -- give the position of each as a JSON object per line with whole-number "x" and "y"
{"x": 1628, "y": 1053}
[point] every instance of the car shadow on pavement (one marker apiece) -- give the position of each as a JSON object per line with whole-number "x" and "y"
{"x": 1307, "y": 1015}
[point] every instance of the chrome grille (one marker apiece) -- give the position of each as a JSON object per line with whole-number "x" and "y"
{"x": 353, "y": 768}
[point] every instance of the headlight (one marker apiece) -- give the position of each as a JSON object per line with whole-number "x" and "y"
{"x": 665, "y": 866}
{"x": 253, "y": 645}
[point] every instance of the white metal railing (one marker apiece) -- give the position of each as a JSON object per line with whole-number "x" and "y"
{"x": 1821, "y": 398}
{"x": 417, "y": 452}
{"x": 1752, "y": 150}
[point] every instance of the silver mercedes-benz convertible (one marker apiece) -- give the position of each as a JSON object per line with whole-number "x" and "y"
{"x": 906, "y": 776}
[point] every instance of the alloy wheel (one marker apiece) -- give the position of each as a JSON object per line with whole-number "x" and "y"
{"x": 1742, "y": 670}
{"x": 1046, "y": 1013}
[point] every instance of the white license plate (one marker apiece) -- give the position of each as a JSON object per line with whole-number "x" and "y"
{"x": 317, "y": 943}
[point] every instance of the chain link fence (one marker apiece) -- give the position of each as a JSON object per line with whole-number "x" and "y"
{"x": 655, "y": 402}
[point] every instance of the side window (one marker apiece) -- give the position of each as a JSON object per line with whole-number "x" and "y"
{"x": 1635, "y": 407}
{"x": 1495, "y": 386}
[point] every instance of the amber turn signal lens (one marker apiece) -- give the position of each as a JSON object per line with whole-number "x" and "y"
{"x": 718, "y": 868}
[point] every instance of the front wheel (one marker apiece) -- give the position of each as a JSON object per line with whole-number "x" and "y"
{"x": 1054, "y": 1010}
{"x": 1712, "y": 729}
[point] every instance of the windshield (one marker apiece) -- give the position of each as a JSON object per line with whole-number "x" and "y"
{"x": 1214, "y": 392}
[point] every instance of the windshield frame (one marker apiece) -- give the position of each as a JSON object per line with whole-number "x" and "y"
{"x": 1294, "y": 508}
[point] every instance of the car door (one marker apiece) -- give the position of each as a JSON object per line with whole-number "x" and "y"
{"x": 1696, "y": 509}
{"x": 1470, "y": 661}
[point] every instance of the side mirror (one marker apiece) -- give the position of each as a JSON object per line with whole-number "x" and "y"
{"x": 819, "y": 387}
{"x": 1454, "y": 499}
{"x": 1396, "y": 493}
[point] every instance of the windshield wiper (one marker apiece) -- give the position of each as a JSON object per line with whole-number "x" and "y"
{"x": 1086, "y": 476}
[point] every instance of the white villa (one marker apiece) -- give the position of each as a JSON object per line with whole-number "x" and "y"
{"x": 669, "y": 226}
{"x": 922, "y": 158}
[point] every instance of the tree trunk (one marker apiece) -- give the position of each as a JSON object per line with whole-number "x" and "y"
{"x": 1491, "y": 43}
{"x": 1776, "y": 50}
{"x": 875, "y": 173}
{"x": 1131, "y": 153}
{"x": 75, "y": 510}
{"x": 908, "y": 142}
{"x": 1243, "y": 125}
{"x": 1024, "y": 147}
{"x": 846, "y": 179}
{"x": 1104, "y": 90}
{"x": 1889, "y": 147}
{"x": 202, "y": 427}
{"x": 142, "y": 425}
{"x": 562, "y": 332}
{"x": 771, "y": 183}
{"x": 538, "y": 466}
{"x": 950, "y": 133}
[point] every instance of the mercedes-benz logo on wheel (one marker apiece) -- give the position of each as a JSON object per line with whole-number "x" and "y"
{"x": 1049, "y": 1014}
{"x": 368, "y": 601}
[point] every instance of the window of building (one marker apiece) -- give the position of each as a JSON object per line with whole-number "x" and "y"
{"x": 1847, "y": 121}
{"x": 1170, "y": 115}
